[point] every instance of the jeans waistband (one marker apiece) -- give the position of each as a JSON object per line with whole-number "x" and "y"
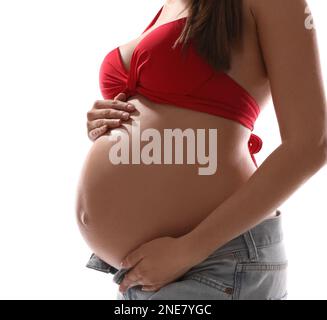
{"x": 266, "y": 233}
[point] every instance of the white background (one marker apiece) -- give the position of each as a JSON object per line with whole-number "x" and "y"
{"x": 50, "y": 57}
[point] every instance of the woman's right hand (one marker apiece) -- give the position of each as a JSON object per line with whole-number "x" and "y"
{"x": 107, "y": 114}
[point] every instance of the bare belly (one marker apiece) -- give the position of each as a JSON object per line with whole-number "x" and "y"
{"x": 119, "y": 207}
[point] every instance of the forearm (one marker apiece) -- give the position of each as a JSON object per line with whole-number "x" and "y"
{"x": 282, "y": 173}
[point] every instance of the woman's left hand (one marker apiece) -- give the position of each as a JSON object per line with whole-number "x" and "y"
{"x": 156, "y": 263}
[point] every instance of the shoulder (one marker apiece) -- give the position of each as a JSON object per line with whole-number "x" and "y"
{"x": 282, "y": 29}
{"x": 279, "y": 10}
{"x": 290, "y": 52}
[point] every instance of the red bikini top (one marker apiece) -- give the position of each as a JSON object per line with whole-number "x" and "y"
{"x": 165, "y": 75}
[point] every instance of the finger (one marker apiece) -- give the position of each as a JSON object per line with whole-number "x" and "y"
{"x": 107, "y": 114}
{"x": 96, "y": 133}
{"x": 113, "y": 104}
{"x": 132, "y": 259}
{"x": 121, "y": 96}
{"x": 110, "y": 123}
{"x": 126, "y": 285}
{"x": 150, "y": 288}
{"x": 131, "y": 279}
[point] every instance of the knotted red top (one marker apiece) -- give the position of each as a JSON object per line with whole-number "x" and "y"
{"x": 166, "y": 75}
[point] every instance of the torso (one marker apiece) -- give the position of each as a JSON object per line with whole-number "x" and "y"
{"x": 119, "y": 207}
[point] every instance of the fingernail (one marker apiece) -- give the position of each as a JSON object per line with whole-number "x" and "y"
{"x": 130, "y": 107}
{"x": 126, "y": 115}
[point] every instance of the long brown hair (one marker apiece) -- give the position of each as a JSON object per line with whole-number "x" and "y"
{"x": 215, "y": 26}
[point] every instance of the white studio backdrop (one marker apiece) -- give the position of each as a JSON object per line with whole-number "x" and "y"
{"x": 50, "y": 57}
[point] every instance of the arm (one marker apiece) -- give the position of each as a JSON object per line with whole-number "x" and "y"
{"x": 291, "y": 56}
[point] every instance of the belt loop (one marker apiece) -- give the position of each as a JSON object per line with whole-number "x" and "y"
{"x": 251, "y": 246}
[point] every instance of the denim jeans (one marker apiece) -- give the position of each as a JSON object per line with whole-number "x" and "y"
{"x": 252, "y": 266}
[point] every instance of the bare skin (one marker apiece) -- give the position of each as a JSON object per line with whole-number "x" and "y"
{"x": 120, "y": 208}
{"x": 291, "y": 56}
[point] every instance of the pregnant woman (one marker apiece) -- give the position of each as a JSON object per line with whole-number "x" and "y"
{"x": 164, "y": 230}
